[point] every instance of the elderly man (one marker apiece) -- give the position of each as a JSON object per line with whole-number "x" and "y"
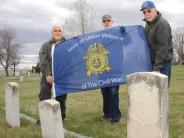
{"x": 158, "y": 33}
{"x": 110, "y": 94}
{"x": 45, "y": 56}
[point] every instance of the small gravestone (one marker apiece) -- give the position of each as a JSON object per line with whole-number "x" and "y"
{"x": 21, "y": 78}
{"x": 147, "y": 105}
{"x": 12, "y": 104}
{"x": 17, "y": 74}
{"x": 50, "y": 118}
{"x": 28, "y": 73}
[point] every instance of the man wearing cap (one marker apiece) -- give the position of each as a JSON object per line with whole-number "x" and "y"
{"x": 110, "y": 94}
{"x": 158, "y": 33}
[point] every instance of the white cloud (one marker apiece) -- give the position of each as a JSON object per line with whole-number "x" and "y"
{"x": 30, "y": 48}
{"x": 175, "y": 7}
{"x": 32, "y": 13}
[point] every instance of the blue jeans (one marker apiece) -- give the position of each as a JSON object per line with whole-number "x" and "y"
{"x": 111, "y": 103}
{"x": 166, "y": 70}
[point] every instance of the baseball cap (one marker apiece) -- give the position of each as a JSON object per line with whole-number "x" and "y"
{"x": 106, "y": 17}
{"x": 147, "y": 5}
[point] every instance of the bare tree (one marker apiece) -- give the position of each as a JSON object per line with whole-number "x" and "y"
{"x": 178, "y": 44}
{"x": 14, "y": 58}
{"x": 8, "y": 50}
{"x": 81, "y": 19}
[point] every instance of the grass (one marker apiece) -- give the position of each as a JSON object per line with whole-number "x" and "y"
{"x": 27, "y": 130}
{"x": 84, "y": 110}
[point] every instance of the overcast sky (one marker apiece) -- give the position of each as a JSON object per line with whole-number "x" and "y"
{"x": 32, "y": 19}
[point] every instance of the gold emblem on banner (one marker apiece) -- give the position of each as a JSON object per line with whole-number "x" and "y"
{"x": 96, "y": 59}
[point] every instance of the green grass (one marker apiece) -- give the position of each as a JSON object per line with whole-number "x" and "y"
{"x": 27, "y": 130}
{"x": 176, "y": 103}
{"x": 84, "y": 110}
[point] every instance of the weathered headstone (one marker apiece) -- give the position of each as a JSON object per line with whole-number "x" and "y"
{"x": 147, "y": 105}
{"x": 50, "y": 118}
{"x": 21, "y": 78}
{"x": 28, "y": 73}
{"x": 12, "y": 104}
{"x": 17, "y": 73}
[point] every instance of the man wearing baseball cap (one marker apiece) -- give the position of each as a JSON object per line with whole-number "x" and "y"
{"x": 158, "y": 33}
{"x": 110, "y": 94}
{"x": 107, "y": 21}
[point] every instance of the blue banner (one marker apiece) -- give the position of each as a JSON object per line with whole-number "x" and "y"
{"x": 100, "y": 59}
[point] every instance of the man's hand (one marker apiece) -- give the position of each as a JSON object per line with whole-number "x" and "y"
{"x": 49, "y": 79}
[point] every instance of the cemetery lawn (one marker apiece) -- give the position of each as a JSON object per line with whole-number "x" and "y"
{"x": 84, "y": 110}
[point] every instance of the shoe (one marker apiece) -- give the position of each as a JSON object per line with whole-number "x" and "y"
{"x": 105, "y": 118}
{"x": 63, "y": 118}
{"x": 115, "y": 120}
{"x": 38, "y": 122}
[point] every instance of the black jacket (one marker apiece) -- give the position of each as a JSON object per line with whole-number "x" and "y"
{"x": 159, "y": 38}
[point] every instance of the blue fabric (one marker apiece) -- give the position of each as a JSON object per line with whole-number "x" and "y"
{"x": 100, "y": 59}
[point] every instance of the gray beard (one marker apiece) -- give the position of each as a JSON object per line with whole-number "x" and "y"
{"x": 57, "y": 38}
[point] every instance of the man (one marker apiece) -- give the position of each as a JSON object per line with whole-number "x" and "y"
{"x": 158, "y": 33}
{"x": 110, "y": 94}
{"x": 45, "y": 57}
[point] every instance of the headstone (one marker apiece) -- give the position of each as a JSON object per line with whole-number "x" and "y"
{"x": 21, "y": 78}
{"x": 50, "y": 118}
{"x": 12, "y": 104}
{"x": 17, "y": 74}
{"x": 147, "y": 105}
{"x": 28, "y": 73}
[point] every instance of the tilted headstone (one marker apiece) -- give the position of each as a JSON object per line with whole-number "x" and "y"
{"x": 147, "y": 105}
{"x": 12, "y": 104}
{"x": 50, "y": 119}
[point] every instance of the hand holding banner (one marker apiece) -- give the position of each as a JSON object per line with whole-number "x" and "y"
{"x": 100, "y": 59}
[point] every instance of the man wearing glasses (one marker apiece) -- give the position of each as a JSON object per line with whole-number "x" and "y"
{"x": 45, "y": 60}
{"x": 110, "y": 94}
{"x": 158, "y": 33}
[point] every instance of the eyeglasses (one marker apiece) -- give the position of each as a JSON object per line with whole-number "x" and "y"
{"x": 57, "y": 30}
{"x": 146, "y": 11}
{"x": 106, "y": 21}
